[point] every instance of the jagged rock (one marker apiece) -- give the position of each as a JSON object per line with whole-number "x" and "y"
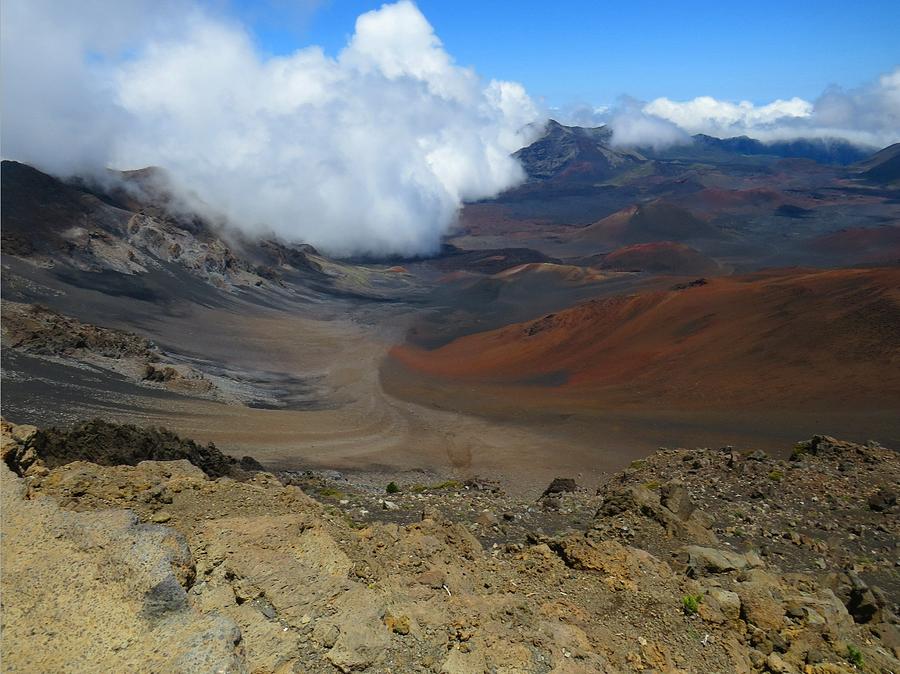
{"x": 560, "y": 485}
{"x": 729, "y": 603}
{"x": 112, "y": 444}
{"x": 483, "y": 484}
{"x": 776, "y": 665}
{"x": 645, "y": 503}
{"x": 759, "y": 607}
{"x": 675, "y": 497}
{"x": 865, "y": 604}
{"x": 399, "y": 624}
{"x": 701, "y": 561}
{"x": 883, "y": 500}
{"x": 822, "y": 445}
{"x": 610, "y": 557}
{"x": 550, "y": 503}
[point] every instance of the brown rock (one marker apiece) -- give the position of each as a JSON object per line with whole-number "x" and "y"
{"x": 759, "y": 607}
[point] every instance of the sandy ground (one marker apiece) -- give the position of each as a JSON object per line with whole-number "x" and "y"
{"x": 343, "y": 406}
{"x": 345, "y": 419}
{"x": 354, "y": 424}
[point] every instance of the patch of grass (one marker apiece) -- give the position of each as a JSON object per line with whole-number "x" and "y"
{"x": 417, "y": 488}
{"x": 637, "y": 465}
{"x": 653, "y": 485}
{"x": 330, "y": 492}
{"x": 854, "y": 655}
{"x": 392, "y": 488}
{"x": 776, "y": 475}
{"x": 799, "y": 450}
{"x": 690, "y": 603}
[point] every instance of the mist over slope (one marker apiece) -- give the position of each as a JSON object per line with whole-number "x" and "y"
{"x": 369, "y": 151}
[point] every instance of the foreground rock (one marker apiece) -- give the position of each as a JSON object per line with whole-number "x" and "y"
{"x": 98, "y": 591}
{"x": 313, "y": 590}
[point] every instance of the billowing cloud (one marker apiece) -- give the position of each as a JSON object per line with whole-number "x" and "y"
{"x": 868, "y": 115}
{"x": 705, "y": 113}
{"x": 633, "y": 126}
{"x": 370, "y": 151}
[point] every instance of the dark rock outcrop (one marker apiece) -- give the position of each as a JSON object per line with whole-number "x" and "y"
{"x": 110, "y": 444}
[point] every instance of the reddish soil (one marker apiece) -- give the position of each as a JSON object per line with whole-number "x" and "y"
{"x": 803, "y": 337}
{"x": 863, "y": 243}
{"x": 662, "y": 257}
{"x": 645, "y": 223}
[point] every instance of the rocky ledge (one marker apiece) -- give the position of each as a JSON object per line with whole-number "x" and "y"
{"x": 689, "y": 561}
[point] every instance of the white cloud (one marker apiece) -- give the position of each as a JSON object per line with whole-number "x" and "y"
{"x": 371, "y": 151}
{"x": 868, "y": 115}
{"x": 705, "y": 113}
{"x": 632, "y": 126}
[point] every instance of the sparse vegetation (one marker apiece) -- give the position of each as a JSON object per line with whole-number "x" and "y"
{"x": 392, "y": 488}
{"x": 799, "y": 450}
{"x": 447, "y": 484}
{"x": 652, "y": 485}
{"x": 854, "y": 655}
{"x": 776, "y": 475}
{"x": 330, "y": 492}
{"x": 690, "y": 603}
{"x": 637, "y": 465}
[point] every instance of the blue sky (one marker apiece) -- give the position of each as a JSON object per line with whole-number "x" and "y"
{"x": 592, "y": 52}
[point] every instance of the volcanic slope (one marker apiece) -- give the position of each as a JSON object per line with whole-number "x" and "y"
{"x": 661, "y": 257}
{"x": 812, "y": 339}
{"x": 645, "y": 223}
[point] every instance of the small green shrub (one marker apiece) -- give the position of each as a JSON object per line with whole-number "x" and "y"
{"x": 392, "y": 488}
{"x": 854, "y": 655}
{"x": 799, "y": 450}
{"x": 653, "y": 485}
{"x": 690, "y": 603}
{"x": 776, "y": 475}
{"x": 637, "y": 465}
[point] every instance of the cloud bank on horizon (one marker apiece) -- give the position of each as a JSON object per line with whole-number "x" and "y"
{"x": 372, "y": 151}
{"x": 867, "y": 116}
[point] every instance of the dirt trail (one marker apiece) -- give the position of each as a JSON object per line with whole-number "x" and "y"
{"x": 342, "y": 418}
